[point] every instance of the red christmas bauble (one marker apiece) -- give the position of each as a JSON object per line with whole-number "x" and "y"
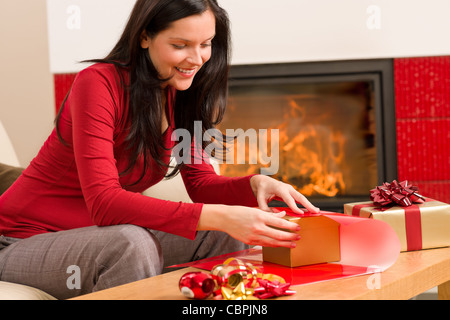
{"x": 196, "y": 285}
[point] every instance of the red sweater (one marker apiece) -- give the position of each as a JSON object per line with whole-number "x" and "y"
{"x": 78, "y": 185}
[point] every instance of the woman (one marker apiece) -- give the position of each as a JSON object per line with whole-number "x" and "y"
{"x": 79, "y": 202}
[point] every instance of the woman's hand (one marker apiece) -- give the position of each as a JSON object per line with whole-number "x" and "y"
{"x": 250, "y": 225}
{"x": 266, "y": 188}
{"x": 258, "y": 226}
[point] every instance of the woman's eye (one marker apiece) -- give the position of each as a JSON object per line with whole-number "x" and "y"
{"x": 182, "y": 46}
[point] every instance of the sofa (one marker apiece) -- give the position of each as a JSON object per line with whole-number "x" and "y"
{"x": 9, "y": 171}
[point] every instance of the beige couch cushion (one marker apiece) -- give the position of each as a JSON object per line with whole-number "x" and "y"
{"x": 169, "y": 189}
{"x": 7, "y": 153}
{"x": 13, "y": 291}
{"x": 174, "y": 189}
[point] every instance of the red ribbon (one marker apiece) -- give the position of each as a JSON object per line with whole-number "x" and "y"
{"x": 272, "y": 289}
{"x": 404, "y": 195}
{"x": 413, "y": 224}
{"x": 356, "y": 210}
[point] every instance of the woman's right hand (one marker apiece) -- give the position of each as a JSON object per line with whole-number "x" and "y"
{"x": 250, "y": 225}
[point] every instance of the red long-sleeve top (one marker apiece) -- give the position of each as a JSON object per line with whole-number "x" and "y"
{"x": 78, "y": 184}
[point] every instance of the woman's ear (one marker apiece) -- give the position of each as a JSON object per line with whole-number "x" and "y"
{"x": 145, "y": 40}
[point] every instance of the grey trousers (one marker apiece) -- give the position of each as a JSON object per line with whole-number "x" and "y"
{"x": 70, "y": 263}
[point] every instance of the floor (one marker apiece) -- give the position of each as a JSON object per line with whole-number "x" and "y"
{"x": 431, "y": 294}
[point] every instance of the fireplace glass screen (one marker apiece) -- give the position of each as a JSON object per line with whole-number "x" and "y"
{"x": 326, "y": 133}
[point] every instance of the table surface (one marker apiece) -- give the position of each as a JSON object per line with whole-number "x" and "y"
{"x": 413, "y": 273}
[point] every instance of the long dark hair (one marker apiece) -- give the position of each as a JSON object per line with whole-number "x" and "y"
{"x": 204, "y": 101}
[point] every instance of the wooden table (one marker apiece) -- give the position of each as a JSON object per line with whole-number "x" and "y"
{"x": 413, "y": 273}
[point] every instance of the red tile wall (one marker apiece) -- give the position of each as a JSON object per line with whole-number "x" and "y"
{"x": 422, "y": 95}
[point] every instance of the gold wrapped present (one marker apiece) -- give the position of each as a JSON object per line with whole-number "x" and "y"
{"x": 319, "y": 243}
{"x": 418, "y": 226}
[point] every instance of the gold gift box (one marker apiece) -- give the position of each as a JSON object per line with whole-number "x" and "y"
{"x": 319, "y": 243}
{"x": 434, "y": 221}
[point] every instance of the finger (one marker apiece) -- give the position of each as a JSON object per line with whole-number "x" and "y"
{"x": 262, "y": 203}
{"x": 300, "y": 198}
{"x": 289, "y": 200}
{"x": 278, "y": 222}
{"x": 278, "y": 210}
{"x": 279, "y": 214}
{"x": 277, "y": 232}
{"x": 275, "y": 237}
{"x": 270, "y": 242}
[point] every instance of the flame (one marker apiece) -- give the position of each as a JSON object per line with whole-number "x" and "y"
{"x": 311, "y": 157}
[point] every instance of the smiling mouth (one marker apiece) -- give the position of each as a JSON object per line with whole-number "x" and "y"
{"x": 186, "y": 71}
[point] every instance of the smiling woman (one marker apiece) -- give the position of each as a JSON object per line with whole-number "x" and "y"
{"x": 180, "y": 51}
{"x": 183, "y": 45}
{"x": 84, "y": 205}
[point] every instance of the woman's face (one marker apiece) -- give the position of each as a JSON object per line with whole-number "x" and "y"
{"x": 181, "y": 50}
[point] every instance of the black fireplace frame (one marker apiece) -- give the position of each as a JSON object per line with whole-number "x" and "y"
{"x": 379, "y": 71}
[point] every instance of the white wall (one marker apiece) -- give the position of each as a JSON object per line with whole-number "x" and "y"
{"x": 83, "y": 29}
{"x": 27, "y": 106}
{"x": 263, "y": 31}
{"x": 266, "y": 31}
{"x": 311, "y": 30}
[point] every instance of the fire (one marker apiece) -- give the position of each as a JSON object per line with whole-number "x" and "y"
{"x": 311, "y": 156}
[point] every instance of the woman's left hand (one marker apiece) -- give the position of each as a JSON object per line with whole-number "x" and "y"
{"x": 266, "y": 188}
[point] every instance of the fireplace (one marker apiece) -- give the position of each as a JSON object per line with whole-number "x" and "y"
{"x": 422, "y": 98}
{"x": 335, "y": 124}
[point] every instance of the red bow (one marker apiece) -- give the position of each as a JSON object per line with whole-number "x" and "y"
{"x": 393, "y": 193}
{"x": 272, "y": 289}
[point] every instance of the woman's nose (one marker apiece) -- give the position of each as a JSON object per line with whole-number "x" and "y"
{"x": 195, "y": 57}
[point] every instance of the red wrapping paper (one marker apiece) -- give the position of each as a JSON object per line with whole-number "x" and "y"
{"x": 367, "y": 246}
